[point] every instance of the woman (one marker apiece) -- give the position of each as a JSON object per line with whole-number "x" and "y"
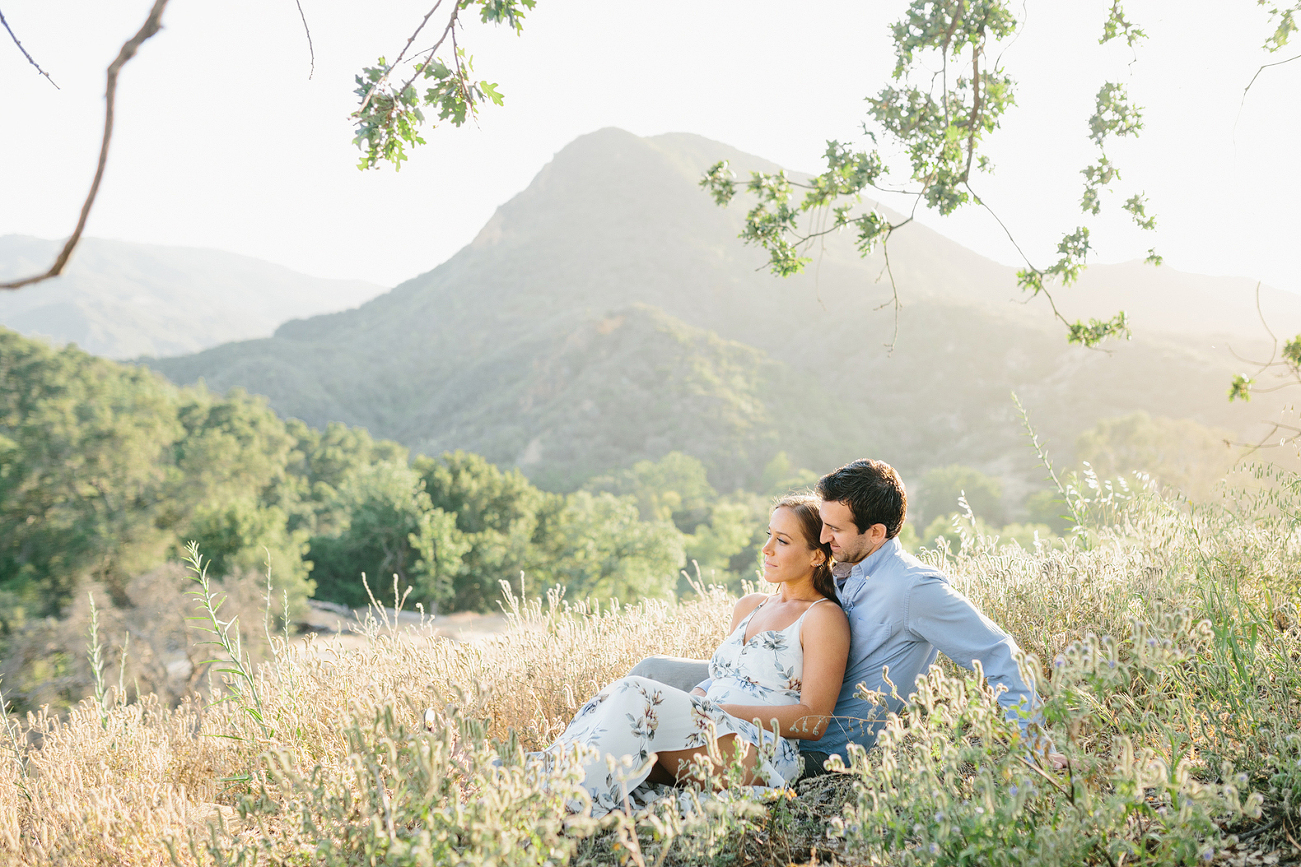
{"x": 782, "y": 664}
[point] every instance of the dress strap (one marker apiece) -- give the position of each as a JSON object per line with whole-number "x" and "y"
{"x": 755, "y": 610}
{"x": 800, "y": 621}
{"x": 745, "y": 624}
{"x": 810, "y": 608}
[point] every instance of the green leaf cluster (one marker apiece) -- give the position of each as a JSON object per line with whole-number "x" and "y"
{"x": 390, "y": 117}
{"x": 1284, "y": 18}
{"x": 945, "y": 98}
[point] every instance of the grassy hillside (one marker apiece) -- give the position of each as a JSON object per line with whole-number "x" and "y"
{"x": 122, "y": 300}
{"x": 445, "y": 359}
{"x": 1163, "y": 651}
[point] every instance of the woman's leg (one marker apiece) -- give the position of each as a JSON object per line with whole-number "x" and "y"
{"x": 674, "y": 766}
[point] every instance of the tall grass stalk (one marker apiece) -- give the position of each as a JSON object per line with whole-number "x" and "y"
{"x": 225, "y": 635}
{"x": 19, "y": 750}
{"x": 1068, "y": 494}
{"x": 94, "y": 654}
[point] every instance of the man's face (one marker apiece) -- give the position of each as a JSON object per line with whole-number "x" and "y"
{"x": 838, "y": 529}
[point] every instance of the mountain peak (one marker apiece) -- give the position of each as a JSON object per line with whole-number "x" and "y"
{"x": 612, "y": 297}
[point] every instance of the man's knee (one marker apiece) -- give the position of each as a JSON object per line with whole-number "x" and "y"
{"x": 674, "y": 671}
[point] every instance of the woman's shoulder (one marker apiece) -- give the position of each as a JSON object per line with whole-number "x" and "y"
{"x": 745, "y": 605}
{"x": 826, "y": 613}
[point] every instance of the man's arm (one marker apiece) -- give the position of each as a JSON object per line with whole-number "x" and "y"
{"x": 947, "y": 619}
{"x": 941, "y": 615}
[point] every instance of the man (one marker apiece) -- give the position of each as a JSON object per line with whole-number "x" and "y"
{"x": 902, "y": 614}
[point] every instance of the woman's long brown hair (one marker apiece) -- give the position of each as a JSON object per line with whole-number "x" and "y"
{"x": 805, "y": 507}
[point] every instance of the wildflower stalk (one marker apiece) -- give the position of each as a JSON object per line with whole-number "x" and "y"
{"x": 121, "y": 670}
{"x": 1068, "y": 493}
{"x": 236, "y": 664}
{"x": 95, "y": 655}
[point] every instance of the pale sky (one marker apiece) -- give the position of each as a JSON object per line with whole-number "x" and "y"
{"x": 222, "y": 141}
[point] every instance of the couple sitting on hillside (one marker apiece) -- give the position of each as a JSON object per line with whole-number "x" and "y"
{"x": 850, "y": 606}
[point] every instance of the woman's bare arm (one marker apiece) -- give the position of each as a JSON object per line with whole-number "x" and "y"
{"x": 825, "y": 637}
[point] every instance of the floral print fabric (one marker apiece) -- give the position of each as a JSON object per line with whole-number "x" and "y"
{"x": 623, "y": 724}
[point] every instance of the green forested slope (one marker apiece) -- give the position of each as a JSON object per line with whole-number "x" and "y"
{"x": 499, "y": 350}
{"x": 107, "y": 471}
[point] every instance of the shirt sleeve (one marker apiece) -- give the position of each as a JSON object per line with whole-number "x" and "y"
{"x": 938, "y": 613}
{"x": 704, "y": 685}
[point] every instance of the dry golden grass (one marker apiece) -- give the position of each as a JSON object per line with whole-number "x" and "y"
{"x": 93, "y": 792}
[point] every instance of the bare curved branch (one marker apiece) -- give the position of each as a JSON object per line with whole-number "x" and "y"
{"x": 151, "y": 26}
{"x": 1242, "y": 103}
{"x": 24, "y": 51}
{"x": 308, "y": 31}
{"x": 1263, "y": 67}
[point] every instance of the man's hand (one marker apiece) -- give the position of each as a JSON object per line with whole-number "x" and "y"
{"x": 1057, "y": 761}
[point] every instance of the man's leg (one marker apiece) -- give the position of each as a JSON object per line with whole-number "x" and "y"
{"x": 674, "y": 671}
{"x": 814, "y": 762}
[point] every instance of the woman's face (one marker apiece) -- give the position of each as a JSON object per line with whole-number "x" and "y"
{"x": 787, "y": 555}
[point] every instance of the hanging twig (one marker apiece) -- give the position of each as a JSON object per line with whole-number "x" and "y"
{"x": 151, "y": 26}
{"x": 308, "y": 31}
{"x": 429, "y": 53}
{"x": 1242, "y": 103}
{"x": 24, "y": 51}
{"x": 1262, "y": 69}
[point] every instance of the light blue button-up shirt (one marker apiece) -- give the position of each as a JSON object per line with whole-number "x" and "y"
{"x": 902, "y": 614}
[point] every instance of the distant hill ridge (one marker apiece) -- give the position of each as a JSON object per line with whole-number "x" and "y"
{"x": 501, "y": 349}
{"x": 123, "y": 300}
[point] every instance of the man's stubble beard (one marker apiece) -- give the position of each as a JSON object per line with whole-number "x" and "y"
{"x": 858, "y": 555}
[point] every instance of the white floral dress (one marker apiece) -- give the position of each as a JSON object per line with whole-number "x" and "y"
{"x": 627, "y": 721}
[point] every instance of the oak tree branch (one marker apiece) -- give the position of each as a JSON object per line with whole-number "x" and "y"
{"x": 151, "y": 26}
{"x": 308, "y": 31}
{"x": 401, "y": 54}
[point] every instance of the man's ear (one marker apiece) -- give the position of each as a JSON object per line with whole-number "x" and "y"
{"x": 877, "y": 534}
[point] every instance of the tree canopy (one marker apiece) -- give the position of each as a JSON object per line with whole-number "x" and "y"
{"x": 107, "y": 471}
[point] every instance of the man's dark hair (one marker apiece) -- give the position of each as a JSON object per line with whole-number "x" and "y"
{"x": 873, "y": 492}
